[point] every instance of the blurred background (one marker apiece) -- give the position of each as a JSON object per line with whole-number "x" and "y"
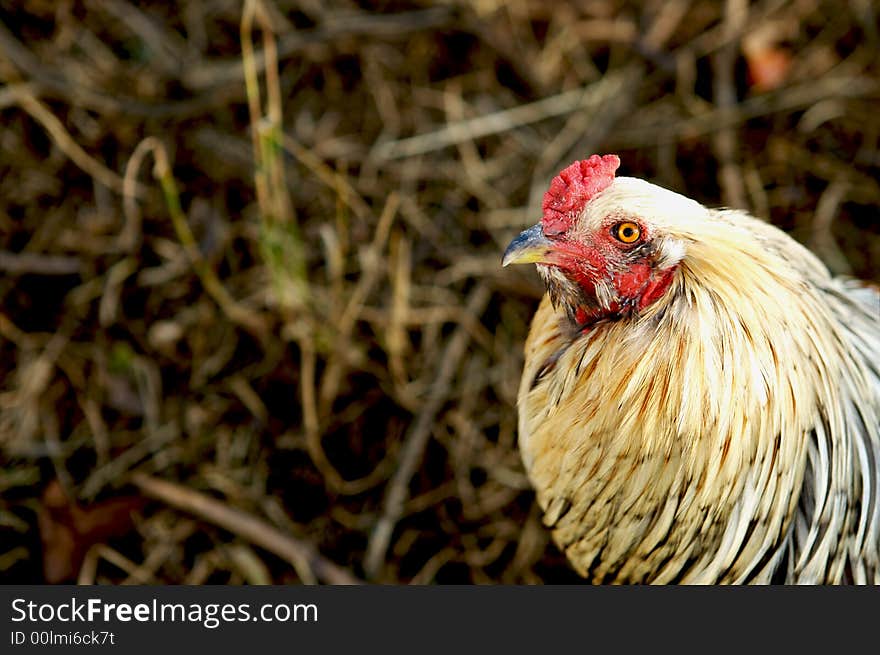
{"x": 253, "y": 324}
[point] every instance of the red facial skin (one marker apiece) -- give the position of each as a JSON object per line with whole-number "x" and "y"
{"x": 636, "y": 283}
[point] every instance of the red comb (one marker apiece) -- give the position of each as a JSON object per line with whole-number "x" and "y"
{"x": 572, "y": 188}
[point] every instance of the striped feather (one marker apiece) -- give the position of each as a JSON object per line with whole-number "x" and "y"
{"x": 729, "y": 432}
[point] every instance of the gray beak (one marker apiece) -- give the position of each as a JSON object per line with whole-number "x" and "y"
{"x": 530, "y": 247}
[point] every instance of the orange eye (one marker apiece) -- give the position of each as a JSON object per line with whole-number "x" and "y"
{"x": 627, "y": 232}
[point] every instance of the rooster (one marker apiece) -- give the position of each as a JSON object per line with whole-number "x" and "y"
{"x": 700, "y": 399}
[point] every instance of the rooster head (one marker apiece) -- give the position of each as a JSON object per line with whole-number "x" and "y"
{"x": 606, "y": 246}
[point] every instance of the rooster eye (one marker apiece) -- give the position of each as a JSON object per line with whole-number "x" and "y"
{"x": 627, "y": 232}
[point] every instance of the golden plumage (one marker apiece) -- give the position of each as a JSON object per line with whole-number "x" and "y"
{"x": 726, "y": 432}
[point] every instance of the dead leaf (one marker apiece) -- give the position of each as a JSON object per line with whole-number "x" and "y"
{"x": 67, "y": 530}
{"x": 768, "y": 67}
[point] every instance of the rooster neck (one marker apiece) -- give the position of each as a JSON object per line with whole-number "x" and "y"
{"x": 728, "y": 431}
{"x": 676, "y": 402}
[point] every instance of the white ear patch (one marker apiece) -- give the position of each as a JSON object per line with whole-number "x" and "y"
{"x": 670, "y": 252}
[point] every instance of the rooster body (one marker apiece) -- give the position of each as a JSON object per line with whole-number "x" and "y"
{"x": 700, "y": 400}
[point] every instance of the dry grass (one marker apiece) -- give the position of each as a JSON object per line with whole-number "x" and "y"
{"x": 250, "y": 257}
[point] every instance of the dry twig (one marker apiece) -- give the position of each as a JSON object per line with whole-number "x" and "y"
{"x": 249, "y": 528}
